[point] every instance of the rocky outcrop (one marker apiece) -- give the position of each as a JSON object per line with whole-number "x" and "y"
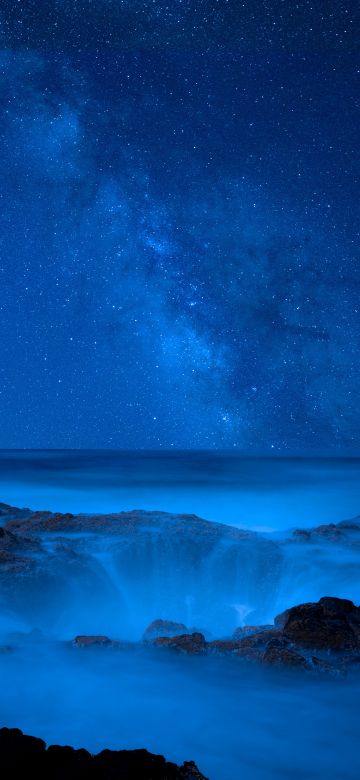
{"x": 11, "y": 541}
{"x": 163, "y": 628}
{"x": 22, "y": 756}
{"x": 243, "y": 631}
{"x": 347, "y": 532}
{"x": 278, "y": 653}
{"x": 330, "y": 624}
{"x": 84, "y": 642}
{"x": 141, "y": 563}
{"x": 8, "y": 512}
{"x": 117, "y": 523}
{"x": 190, "y": 644}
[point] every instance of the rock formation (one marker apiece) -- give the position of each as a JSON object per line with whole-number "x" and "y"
{"x": 22, "y": 756}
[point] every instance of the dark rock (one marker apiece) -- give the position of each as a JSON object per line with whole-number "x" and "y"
{"x": 224, "y": 645}
{"x": 11, "y": 563}
{"x": 326, "y": 667}
{"x": 95, "y": 641}
{"x": 180, "y": 549}
{"x": 343, "y": 533}
{"x": 329, "y": 532}
{"x": 8, "y": 512}
{"x": 189, "y": 771}
{"x": 244, "y": 631}
{"x": 22, "y": 757}
{"x": 19, "y": 753}
{"x": 326, "y": 624}
{"x": 191, "y": 644}
{"x": 260, "y": 638}
{"x": 164, "y": 628}
{"x": 64, "y": 761}
{"x": 277, "y": 653}
{"x": 334, "y": 607}
{"x": 11, "y": 541}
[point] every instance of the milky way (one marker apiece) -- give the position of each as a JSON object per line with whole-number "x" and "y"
{"x": 179, "y": 225}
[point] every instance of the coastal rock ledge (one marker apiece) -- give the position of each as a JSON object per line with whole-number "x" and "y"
{"x": 322, "y": 636}
{"x": 23, "y": 756}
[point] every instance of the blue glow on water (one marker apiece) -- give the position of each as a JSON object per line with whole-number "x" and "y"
{"x": 253, "y": 493}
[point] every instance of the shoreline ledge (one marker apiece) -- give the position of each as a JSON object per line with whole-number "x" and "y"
{"x": 22, "y": 755}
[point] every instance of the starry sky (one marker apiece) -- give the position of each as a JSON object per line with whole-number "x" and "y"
{"x": 179, "y": 225}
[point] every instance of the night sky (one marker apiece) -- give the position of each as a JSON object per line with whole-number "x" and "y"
{"x": 179, "y": 225}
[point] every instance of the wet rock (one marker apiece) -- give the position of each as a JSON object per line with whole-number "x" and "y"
{"x": 260, "y": 638}
{"x": 95, "y": 641}
{"x": 329, "y": 532}
{"x": 244, "y": 631}
{"x": 224, "y": 646}
{"x": 328, "y": 668}
{"x": 334, "y": 607}
{"x": 327, "y": 624}
{"x": 11, "y": 563}
{"x": 15, "y": 542}
{"x": 22, "y": 756}
{"x": 8, "y": 512}
{"x": 191, "y": 644}
{"x": 7, "y": 539}
{"x": 278, "y": 653}
{"x": 143, "y": 550}
{"x": 345, "y": 532}
{"x": 164, "y": 628}
{"x": 189, "y": 771}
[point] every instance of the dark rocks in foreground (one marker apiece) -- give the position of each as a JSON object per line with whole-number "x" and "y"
{"x": 23, "y": 756}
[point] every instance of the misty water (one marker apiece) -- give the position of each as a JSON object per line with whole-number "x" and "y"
{"x": 235, "y": 720}
{"x": 266, "y": 493}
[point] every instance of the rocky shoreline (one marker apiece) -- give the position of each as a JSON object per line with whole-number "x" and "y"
{"x": 23, "y": 756}
{"x": 42, "y": 552}
{"x": 323, "y": 636}
{"x": 317, "y": 637}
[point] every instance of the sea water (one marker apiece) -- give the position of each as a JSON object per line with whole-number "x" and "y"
{"x": 256, "y": 493}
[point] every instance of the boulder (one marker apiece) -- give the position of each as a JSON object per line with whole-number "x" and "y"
{"x": 164, "y": 628}
{"x": 277, "y": 653}
{"x": 191, "y": 644}
{"x": 83, "y": 641}
{"x": 329, "y": 624}
{"x": 259, "y": 639}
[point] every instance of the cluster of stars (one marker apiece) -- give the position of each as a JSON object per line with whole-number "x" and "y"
{"x": 179, "y": 227}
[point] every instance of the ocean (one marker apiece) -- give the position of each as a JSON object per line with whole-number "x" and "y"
{"x": 255, "y": 493}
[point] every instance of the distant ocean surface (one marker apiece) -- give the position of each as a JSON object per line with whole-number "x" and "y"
{"x": 257, "y": 493}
